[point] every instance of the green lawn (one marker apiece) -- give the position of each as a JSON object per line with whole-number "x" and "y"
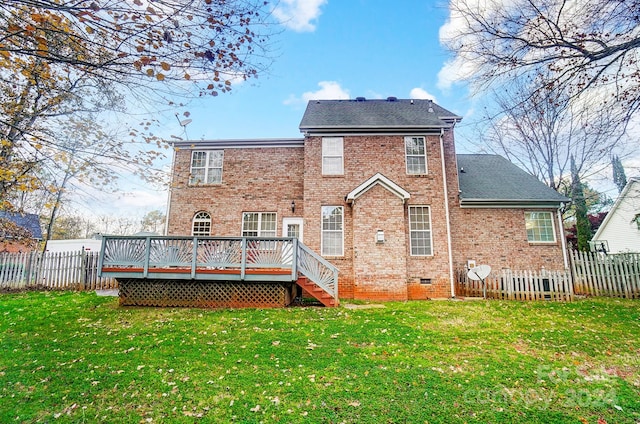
{"x": 76, "y": 357}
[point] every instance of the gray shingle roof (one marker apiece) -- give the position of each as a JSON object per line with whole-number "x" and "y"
{"x": 28, "y": 221}
{"x": 492, "y": 179}
{"x": 375, "y": 114}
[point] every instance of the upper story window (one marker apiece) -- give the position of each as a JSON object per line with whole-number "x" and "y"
{"x": 420, "y": 231}
{"x": 332, "y": 231}
{"x": 539, "y": 227}
{"x": 332, "y": 156}
{"x": 206, "y": 167}
{"x": 416, "y": 155}
{"x": 259, "y": 224}
{"x": 201, "y": 225}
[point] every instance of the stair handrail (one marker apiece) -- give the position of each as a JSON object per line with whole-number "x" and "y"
{"x": 317, "y": 269}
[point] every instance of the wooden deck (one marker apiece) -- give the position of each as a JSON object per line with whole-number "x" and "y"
{"x": 173, "y": 264}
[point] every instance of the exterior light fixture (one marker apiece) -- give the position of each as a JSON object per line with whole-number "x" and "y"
{"x": 293, "y": 206}
{"x": 380, "y": 236}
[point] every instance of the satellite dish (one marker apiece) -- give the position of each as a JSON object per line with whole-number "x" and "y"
{"x": 479, "y": 273}
{"x": 185, "y": 122}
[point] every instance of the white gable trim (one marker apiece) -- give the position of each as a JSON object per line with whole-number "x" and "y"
{"x": 372, "y": 182}
{"x": 614, "y": 209}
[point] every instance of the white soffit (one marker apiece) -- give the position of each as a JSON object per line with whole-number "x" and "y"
{"x": 372, "y": 182}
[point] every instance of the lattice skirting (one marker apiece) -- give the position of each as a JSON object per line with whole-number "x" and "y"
{"x": 203, "y": 294}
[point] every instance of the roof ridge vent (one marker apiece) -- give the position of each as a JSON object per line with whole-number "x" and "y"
{"x": 360, "y": 99}
{"x": 392, "y": 99}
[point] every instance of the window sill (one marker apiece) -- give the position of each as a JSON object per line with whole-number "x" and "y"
{"x": 204, "y": 185}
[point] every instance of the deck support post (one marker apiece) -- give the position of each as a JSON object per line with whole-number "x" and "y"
{"x": 243, "y": 263}
{"x": 194, "y": 258}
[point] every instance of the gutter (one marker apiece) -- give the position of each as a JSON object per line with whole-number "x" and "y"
{"x": 166, "y": 219}
{"x": 447, "y": 215}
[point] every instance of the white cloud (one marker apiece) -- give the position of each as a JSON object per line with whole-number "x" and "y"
{"x": 299, "y": 15}
{"x": 329, "y": 90}
{"x": 421, "y": 93}
{"x": 455, "y": 71}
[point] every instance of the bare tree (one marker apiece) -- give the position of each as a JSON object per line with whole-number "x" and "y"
{"x": 541, "y": 130}
{"x": 211, "y": 43}
{"x": 582, "y": 47}
{"x": 153, "y": 221}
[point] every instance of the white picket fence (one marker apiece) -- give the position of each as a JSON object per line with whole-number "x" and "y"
{"x": 596, "y": 274}
{"x": 76, "y": 270}
{"x": 518, "y": 285}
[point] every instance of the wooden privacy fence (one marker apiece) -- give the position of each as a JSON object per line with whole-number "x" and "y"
{"x": 52, "y": 270}
{"x": 518, "y": 285}
{"x": 597, "y": 274}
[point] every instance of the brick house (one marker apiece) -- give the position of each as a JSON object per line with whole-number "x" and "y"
{"x": 19, "y": 232}
{"x": 376, "y": 188}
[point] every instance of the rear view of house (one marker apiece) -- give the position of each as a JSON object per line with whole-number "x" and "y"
{"x": 375, "y": 187}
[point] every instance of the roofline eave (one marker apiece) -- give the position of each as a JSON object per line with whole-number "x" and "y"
{"x": 239, "y": 143}
{"x": 512, "y": 203}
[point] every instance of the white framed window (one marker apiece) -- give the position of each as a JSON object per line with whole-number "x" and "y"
{"x": 420, "y": 231}
{"x": 540, "y": 227}
{"x": 332, "y": 231}
{"x": 259, "y": 224}
{"x": 206, "y": 167}
{"x": 332, "y": 156}
{"x": 415, "y": 155}
{"x": 201, "y": 225}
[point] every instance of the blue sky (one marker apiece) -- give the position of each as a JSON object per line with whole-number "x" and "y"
{"x": 333, "y": 49}
{"x": 323, "y": 49}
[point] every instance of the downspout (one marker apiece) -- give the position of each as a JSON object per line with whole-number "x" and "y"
{"x": 447, "y": 215}
{"x": 166, "y": 220}
{"x": 563, "y": 240}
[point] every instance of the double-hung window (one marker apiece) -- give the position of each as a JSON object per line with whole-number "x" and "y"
{"x": 332, "y": 156}
{"x": 259, "y": 224}
{"x": 206, "y": 167}
{"x": 420, "y": 231}
{"x": 539, "y": 227}
{"x": 415, "y": 155}
{"x": 201, "y": 224}
{"x": 332, "y": 231}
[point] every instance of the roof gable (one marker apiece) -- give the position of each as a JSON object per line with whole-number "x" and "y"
{"x": 28, "y": 221}
{"x": 617, "y": 206}
{"x": 375, "y": 115}
{"x": 378, "y": 179}
{"x": 493, "y": 181}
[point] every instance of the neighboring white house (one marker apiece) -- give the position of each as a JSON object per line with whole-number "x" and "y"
{"x": 620, "y": 230}
{"x": 88, "y": 245}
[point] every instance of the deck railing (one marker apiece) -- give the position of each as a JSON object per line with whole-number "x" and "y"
{"x": 190, "y": 257}
{"x": 317, "y": 269}
{"x": 215, "y": 258}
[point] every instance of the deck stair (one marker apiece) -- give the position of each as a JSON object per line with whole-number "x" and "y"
{"x": 317, "y": 292}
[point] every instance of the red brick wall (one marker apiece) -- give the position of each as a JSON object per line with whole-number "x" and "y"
{"x": 380, "y": 267}
{"x": 364, "y": 156}
{"x": 268, "y": 179}
{"x": 14, "y": 247}
{"x": 498, "y": 237}
{"x": 253, "y": 180}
